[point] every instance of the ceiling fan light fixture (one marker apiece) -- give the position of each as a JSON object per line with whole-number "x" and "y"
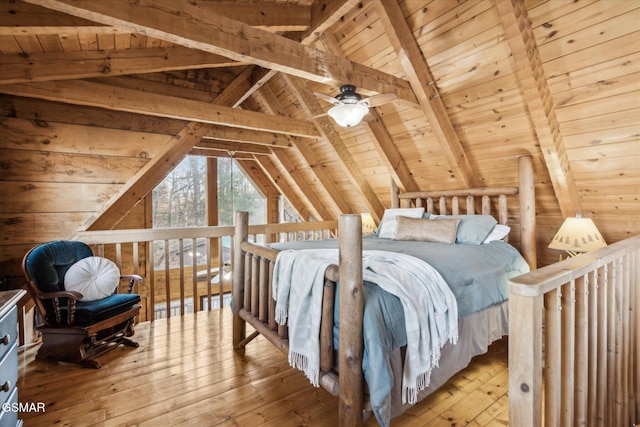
{"x": 348, "y": 115}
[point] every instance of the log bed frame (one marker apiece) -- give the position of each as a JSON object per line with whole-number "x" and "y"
{"x": 253, "y": 272}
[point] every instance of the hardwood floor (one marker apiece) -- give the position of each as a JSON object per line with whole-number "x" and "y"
{"x": 186, "y": 373}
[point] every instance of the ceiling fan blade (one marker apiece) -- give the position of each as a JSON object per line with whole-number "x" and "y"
{"x": 329, "y": 99}
{"x": 375, "y": 100}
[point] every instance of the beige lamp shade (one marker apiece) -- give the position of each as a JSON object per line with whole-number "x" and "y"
{"x": 368, "y": 224}
{"x": 576, "y": 235}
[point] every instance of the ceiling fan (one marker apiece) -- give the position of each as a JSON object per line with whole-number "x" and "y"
{"x": 349, "y": 106}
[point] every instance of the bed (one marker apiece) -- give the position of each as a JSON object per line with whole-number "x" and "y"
{"x": 346, "y": 341}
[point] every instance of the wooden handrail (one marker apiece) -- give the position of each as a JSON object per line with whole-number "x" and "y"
{"x": 574, "y": 347}
{"x": 172, "y": 286}
{"x": 543, "y": 280}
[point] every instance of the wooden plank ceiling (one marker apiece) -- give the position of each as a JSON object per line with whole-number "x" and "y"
{"x": 479, "y": 83}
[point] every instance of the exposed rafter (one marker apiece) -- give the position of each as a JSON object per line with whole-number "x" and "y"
{"x": 423, "y": 84}
{"x": 389, "y": 153}
{"x": 242, "y": 87}
{"x": 31, "y": 19}
{"x": 78, "y": 65}
{"x": 314, "y": 109}
{"x": 304, "y": 204}
{"x": 211, "y": 32}
{"x": 380, "y": 138}
{"x": 121, "y": 99}
{"x": 534, "y": 86}
{"x": 273, "y": 106}
{"x": 253, "y": 136}
{"x": 266, "y": 16}
{"x": 237, "y": 147}
{"x": 146, "y": 179}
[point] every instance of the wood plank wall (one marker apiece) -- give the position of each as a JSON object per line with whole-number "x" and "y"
{"x": 60, "y": 163}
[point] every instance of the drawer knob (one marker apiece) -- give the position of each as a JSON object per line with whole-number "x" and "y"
{"x": 6, "y": 340}
{"x": 6, "y": 386}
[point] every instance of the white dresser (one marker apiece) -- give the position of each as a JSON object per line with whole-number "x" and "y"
{"x": 9, "y": 355}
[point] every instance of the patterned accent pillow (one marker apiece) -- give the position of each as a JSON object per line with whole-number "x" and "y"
{"x": 425, "y": 230}
{"x": 387, "y": 228}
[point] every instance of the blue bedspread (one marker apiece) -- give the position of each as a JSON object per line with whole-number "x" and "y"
{"x": 477, "y": 275}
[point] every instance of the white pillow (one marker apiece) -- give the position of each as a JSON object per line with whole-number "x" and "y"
{"x": 94, "y": 277}
{"x": 387, "y": 227}
{"x": 499, "y": 232}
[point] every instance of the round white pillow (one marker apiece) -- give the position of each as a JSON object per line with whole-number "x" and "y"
{"x": 94, "y": 277}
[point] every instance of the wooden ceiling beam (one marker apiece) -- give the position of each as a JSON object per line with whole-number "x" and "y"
{"x": 423, "y": 83}
{"x": 225, "y": 133}
{"x": 273, "y": 105}
{"x": 266, "y": 16}
{"x": 297, "y": 175}
{"x": 324, "y": 125}
{"x": 211, "y": 32}
{"x": 380, "y": 138}
{"x": 530, "y": 72}
{"x": 18, "y": 18}
{"x": 136, "y": 189}
{"x": 388, "y": 152}
{"x": 233, "y": 147}
{"x": 288, "y": 187}
{"x": 17, "y": 68}
{"x": 21, "y": 18}
{"x": 145, "y": 181}
{"x": 323, "y": 16}
{"x": 204, "y": 151}
{"x": 256, "y": 173}
{"x": 88, "y": 93}
{"x": 55, "y": 30}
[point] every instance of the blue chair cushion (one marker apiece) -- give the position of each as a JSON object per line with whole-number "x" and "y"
{"x": 48, "y": 263}
{"x": 89, "y": 312}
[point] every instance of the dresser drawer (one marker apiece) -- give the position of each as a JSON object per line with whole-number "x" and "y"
{"x": 8, "y": 372}
{"x": 8, "y": 331}
{"x": 10, "y": 418}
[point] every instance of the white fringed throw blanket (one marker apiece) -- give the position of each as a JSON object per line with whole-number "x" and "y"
{"x": 430, "y": 308}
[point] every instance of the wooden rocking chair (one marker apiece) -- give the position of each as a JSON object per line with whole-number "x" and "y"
{"x": 73, "y": 330}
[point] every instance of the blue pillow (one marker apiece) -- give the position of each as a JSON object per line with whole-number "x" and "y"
{"x": 473, "y": 228}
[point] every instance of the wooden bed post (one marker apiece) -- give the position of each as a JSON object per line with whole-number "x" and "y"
{"x": 526, "y": 184}
{"x": 240, "y": 235}
{"x": 351, "y": 402}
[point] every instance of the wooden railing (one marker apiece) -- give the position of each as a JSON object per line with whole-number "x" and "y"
{"x": 574, "y": 345}
{"x": 175, "y": 288}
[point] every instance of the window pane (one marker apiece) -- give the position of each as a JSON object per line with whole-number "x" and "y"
{"x": 236, "y": 192}
{"x": 180, "y": 200}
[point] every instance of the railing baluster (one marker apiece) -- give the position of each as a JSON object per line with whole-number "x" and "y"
{"x": 207, "y": 250}
{"x": 455, "y": 205}
{"x": 167, "y": 277}
{"x": 592, "y": 318}
{"x": 552, "y": 355}
{"x": 181, "y": 281}
{"x": 581, "y": 349}
{"x": 471, "y": 208}
{"x": 194, "y": 276}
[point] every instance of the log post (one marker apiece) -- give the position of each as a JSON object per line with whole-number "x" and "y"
{"x": 525, "y": 364}
{"x": 350, "y": 353}
{"x": 240, "y": 235}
